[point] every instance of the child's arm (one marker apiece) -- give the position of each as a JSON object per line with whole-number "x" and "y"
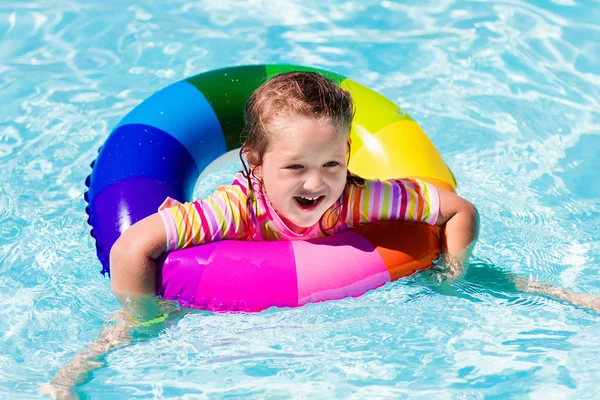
{"x": 78, "y": 371}
{"x": 117, "y": 333}
{"x": 175, "y": 226}
{"x": 460, "y": 222}
{"x": 133, "y": 266}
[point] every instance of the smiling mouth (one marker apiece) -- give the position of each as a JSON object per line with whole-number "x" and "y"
{"x": 308, "y": 203}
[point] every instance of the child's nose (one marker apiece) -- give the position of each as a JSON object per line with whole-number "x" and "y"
{"x": 314, "y": 181}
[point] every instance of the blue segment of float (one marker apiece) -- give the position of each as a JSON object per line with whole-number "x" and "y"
{"x": 136, "y": 150}
{"x": 182, "y": 111}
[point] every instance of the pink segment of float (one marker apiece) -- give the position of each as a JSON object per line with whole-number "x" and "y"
{"x": 268, "y": 276}
{"x": 337, "y": 270}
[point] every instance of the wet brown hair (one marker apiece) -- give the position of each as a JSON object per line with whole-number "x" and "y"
{"x": 294, "y": 94}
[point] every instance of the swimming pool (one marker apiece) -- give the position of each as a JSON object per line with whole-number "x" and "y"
{"x": 507, "y": 90}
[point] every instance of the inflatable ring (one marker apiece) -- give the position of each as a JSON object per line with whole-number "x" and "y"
{"x": 160, "y": 148}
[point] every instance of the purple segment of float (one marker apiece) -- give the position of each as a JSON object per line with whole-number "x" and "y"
{"x": 210, "y": 276}
{"x": 353, "y": 267}
{"x": 122, "y": 204}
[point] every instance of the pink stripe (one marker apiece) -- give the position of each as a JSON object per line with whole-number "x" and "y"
{"x": 376, "y": 213}
{"x": 403, "y": 200}
{"x": 232, "y": 227}
{"x": 204, "y": 222}
{"x": 394, "y": 202}
{"x": 244, "y": 216}
{"x": 237, "y": 182}
{"x": 420, "y": 200}
{"x": 227, "y": 225}
{"x": 353, "y": 267}
{"x": 413, "y": 206}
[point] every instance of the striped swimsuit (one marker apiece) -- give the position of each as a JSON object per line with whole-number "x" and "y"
{"x": 228, "y": 214}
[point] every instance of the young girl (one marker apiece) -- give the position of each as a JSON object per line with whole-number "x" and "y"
{"x": 296, "y": 186}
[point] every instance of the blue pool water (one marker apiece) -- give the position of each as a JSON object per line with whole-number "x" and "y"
{"x": 509, "y": 91}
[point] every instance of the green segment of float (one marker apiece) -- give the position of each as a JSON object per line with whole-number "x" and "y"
{"x": 227, "y": 90}
{"x": 274, "y": 69}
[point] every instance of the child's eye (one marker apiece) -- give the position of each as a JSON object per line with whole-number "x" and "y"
{"x": 331, "y": 164}
{"x": 294, "y": 166}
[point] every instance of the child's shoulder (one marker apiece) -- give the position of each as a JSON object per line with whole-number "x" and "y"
{"x": 238, "y": 188}
{"x": 240, "y": 182}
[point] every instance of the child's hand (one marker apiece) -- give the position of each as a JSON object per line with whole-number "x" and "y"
{"x": 460, "y": 227}
{"x": 583, "y": 300}
{"x": 78, "y": 371}
{"x": 449, "y": 269}
{"x": 58, "y": 392}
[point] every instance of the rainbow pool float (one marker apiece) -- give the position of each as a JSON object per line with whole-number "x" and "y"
{"x": 160, "y": 148}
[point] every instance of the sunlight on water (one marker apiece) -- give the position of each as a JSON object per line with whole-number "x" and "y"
{"x": 509, "y": 92}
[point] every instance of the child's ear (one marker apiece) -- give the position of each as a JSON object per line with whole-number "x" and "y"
{"x": 252, "y": 158}
{"x": 258, "y": 171}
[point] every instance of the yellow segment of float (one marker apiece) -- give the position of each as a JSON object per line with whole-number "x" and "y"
{"x": 387, "y": 143}
{"x": 379, "y": 113}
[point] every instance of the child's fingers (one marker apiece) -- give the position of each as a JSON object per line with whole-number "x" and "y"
{"x": 58, "y": 392}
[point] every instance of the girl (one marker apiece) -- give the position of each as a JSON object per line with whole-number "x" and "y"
{"x": 296, "y": 186}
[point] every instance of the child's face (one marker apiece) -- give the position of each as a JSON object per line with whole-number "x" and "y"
{"x": 304, "y": 170}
